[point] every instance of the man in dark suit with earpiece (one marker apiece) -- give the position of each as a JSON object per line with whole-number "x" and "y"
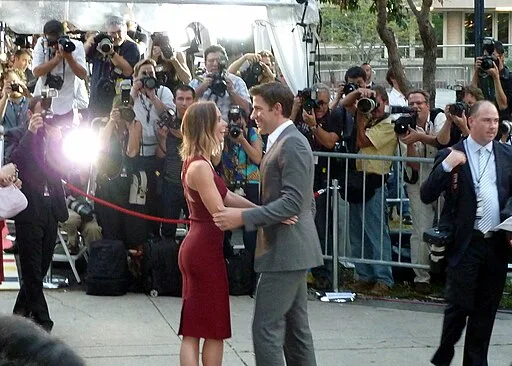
{"x": 477, "y": 258}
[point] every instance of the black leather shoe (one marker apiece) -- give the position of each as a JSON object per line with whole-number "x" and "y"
{"x": 12, "y": 250}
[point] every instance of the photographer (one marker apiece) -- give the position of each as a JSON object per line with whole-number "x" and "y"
{"x": 374, "y": 136}
{"x": 169, "y": 144}
{"x": 22, "y": 59}
{"x": 493, "y": 77}
{"x": 113, "y": 57}
{"x": 255, "y": 68}
{"x": 58, "y": 61}
{"x": 456, "y": 125}
{"x": 171, "y": 67}
{"x": 222, "y": 87}
{"x": 39, "y": 158}
{"x": 323, "y": 129}
{"x": 120, "y": 141}
{"x": 14, "y": 101}
{"x": 421, "y": 142}
{"x": 243, "y": 150}
{"x": 154, "y": 107}
{"x": 81, "y": 216}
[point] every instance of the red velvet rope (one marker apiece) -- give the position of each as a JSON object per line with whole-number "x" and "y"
{"x": 122, "y": 209}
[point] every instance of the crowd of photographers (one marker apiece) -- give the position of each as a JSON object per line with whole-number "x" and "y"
{"x": 137, "y": 105}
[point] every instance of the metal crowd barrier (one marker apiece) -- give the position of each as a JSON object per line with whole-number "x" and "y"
{"x": 339, "y": 223}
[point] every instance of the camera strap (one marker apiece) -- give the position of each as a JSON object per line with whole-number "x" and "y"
{"x": 146, "y": 107}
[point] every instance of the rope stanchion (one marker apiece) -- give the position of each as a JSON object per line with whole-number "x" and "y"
{"x": 122, "y": 209}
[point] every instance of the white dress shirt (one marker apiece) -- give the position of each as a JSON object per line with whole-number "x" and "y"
{"x": 276, "y": 133}
{"x": 66, "y": 95}
{"x": 473, "y": 156}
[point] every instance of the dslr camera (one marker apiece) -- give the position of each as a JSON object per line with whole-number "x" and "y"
{"x": 16, "y": 88}
{"x": 234, "y": 116}
{"x": 163, "y": 42}
{"x": 54, "y": 81}
{"x": 458, "y": 108}
{"x": 488, "y": 59}
{"x": 125, "y": 109}
{"x": 104, "y": 43}
{"x": 408, "y": 119}
{"x": 438, "y": 238}
{"x": 148, "y": 81}
{"x": 168, "y": 119}
{"x": 108, "y": 84}
{"x": 67, "y": 45}
{"x": 308, "y": 97}
{"x": 349, "y": 88}
{"x": 219, "y": 85}
{"x": 505, "y": 128}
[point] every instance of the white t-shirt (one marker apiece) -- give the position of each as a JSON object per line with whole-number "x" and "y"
{"x": 65, "y": 100}
{"x": 141, "y": 106}
{"x": 396, "y": 99}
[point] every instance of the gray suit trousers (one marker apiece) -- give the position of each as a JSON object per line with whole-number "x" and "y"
{"x": 280, "y": 321}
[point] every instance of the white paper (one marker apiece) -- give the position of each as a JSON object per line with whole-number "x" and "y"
{"x": 505, "y": 225}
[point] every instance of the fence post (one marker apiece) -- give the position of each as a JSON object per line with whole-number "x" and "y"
{"x": 335, "y": 235}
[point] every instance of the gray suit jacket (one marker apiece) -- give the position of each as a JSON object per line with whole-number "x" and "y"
{"x": 287, "y": 190}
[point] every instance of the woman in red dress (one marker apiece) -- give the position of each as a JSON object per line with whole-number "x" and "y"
{"x": 205, "y": 311}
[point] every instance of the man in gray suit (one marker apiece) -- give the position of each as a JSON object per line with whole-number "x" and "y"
{"x": 283, "y": 252}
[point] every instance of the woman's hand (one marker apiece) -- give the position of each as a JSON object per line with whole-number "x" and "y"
{"x": 291, "y": 221}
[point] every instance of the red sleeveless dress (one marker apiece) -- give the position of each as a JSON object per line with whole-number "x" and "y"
{"x": 205, "y": 309}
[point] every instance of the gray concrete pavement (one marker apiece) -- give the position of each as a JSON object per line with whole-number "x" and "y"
{"x": 136, "y": 329}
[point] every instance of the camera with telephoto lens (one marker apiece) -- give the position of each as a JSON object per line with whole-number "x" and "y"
{"x": 107, "y": 84}
{"x": 438, "y": 238}
{"x": 219, "y": 85}
{"x": 308, "y": 97}
{"x": 105, "y": 43}
{"x": 83, "y": 208}
{"x": 54, "y": 81}
{"x": 459, "y": 93}
{"x": 168, "y": 119}
{"x": 125, "y": 109}
{"x": 367, "y": 105}
{"x": 505, "y": 128}
{"x": 457, "y": 109}
{"x": 148, "y": 81}
{"x": 349, "y": 88}
{"x": 16, "y": 88}
{"x": 234, "y": 116}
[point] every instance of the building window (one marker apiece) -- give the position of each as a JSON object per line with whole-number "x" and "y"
{"x": 469, "y": 35}
{"x": 437, "y": 22}
{"x": 503, "y": 25}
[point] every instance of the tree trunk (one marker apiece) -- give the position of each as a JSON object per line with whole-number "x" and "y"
{"x": 428, "y": 38}
{"x": 388, "y": 37}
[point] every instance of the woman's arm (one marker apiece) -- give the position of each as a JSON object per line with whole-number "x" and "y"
{"x": 199, "y": 177}
{"x": 234, "y": 200}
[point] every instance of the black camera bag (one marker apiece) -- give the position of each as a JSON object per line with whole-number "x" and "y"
{"x": 107, "y": 269}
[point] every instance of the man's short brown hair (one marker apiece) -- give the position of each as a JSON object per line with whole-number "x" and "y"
{"x": 273, "y": 93}
{"x": 419, "y": 91}
{"x": 215, "y": 48}
{"x": 475, "y": 92}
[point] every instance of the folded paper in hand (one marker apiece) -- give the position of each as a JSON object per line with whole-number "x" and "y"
{"x": 505, "y": 225}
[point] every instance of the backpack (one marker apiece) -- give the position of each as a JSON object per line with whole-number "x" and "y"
{"x": 107, "y": 268}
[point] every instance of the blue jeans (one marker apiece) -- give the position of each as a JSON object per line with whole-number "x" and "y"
{"x": 374, "y": 214}
{"x": 393, "y": 189}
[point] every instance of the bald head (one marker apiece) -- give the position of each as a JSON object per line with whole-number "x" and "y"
{"x": 483, "y": 122}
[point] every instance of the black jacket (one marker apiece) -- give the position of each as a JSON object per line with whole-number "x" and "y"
{"x": 36, "y": 172}
{"x": 462, "y": 216}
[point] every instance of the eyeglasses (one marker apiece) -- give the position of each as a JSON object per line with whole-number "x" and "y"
{"x": 321, "y": 103}
{"x": 417, "y": 103}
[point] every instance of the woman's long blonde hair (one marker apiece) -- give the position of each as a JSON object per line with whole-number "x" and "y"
{"x": 199, "y": 131}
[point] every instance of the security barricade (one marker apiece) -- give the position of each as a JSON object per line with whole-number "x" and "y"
{"x": 338, "y": 222}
